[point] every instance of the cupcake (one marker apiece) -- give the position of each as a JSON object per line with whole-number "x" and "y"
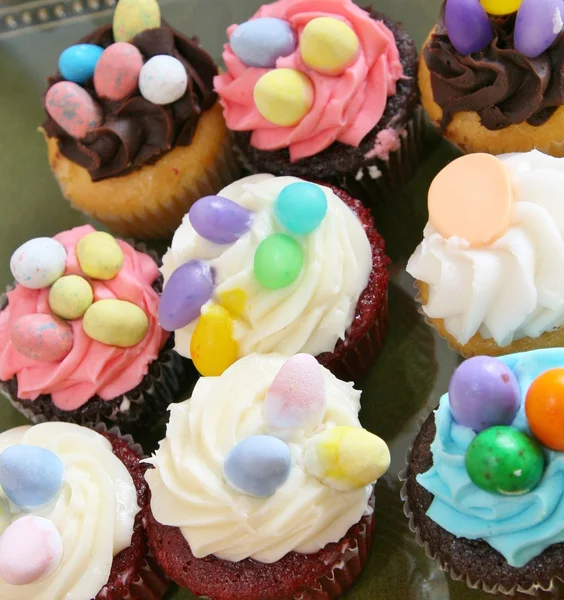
{"x": 262, "y": 487}
{"x": 326, "y": 90}
{"x": 70, "y": 516}
{"x": 483, "y": 484}
{"x": 489, "y": 267}
{"x": 79, "y": 335}
{"x": 134, "y": 131}
{"x": 276, "y": 264}
{"x": 490, "y": 75}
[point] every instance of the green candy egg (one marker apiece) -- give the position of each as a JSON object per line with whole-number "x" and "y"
{"x": 503, "y": 460}
{"x": 278, "y": 261}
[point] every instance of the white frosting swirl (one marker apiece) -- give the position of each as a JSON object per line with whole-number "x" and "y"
{"x": 94, "y": 512}
{"x": 189, "y": 491}
{"x": 513, "y": 288}
{"x": 311, "y": 314}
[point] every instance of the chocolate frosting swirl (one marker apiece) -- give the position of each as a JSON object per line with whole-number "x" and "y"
{"x": 135, "y": 131}
{"x": 499, "y": 83}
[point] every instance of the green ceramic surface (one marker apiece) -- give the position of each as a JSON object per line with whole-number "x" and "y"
{"x": 413, "y": 371}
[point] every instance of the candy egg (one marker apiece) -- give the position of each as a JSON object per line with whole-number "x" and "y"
{"x": 163, "y": 79}
{"x": 115, "y": 323}
{"x": 483, "y": 392}
{"x": 258, "y": 465}
{"x": 134, "y": 16}
{"x": 468, "y": 26}
{"x": 38, "y": 263}
{"x": 261, "y": 42}
{"x": 300, "y": 207}
{"x": 296, "y": 397}
{"x": 502, "y": 7}
{"x": 31, "y": 549}
{"x": 504, "y": 460}
{"x": 283, "y": 96}
{"x": 99, "y": 255}
{"x": 5, "y": 515}
{"x": 538, "y": 24}
{"x": 544, "y": 407}
{"x": 347, "y": 458}
{"x": 42, "y": 337}
{"x": 328, "y": 45}
{"x": 73, "y": 109}
{"x": 278, "y": 261}
{"x": 233, "y": 301}
{"x": 30, "y": 476}
{"x": 187, "y": 290}
{"x": 70, "y": 297}
{"x": 212, "y": 347}
{"x": 77, "y": 63}
{"x": 117, "y": 72}
{"x": 219, "y": 220}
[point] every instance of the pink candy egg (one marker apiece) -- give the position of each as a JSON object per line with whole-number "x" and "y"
{"x": 73, "y": 109}
{"x": 117, "y": 72}
{"x": 31, "y": 549}
{"x": 296, "y": 398}
{"x": 42, "y": 337}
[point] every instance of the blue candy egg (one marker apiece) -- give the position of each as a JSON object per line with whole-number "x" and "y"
{"x": 300, "y": 207}
{"x": 261, "y": 42}
{"x": 30, "y": 476}
{"x": 258, "y": 466}
{"x": 219, "y": 219}
{"x": 77, "y": 63}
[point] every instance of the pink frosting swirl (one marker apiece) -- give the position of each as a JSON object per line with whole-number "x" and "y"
{"x": 346, "y": 107}
{"x": 91, "y": 367}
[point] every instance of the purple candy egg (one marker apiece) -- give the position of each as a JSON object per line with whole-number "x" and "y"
{"x": 187, "y": 290}
{"x": 219, "y": 220}
{"x": 483, "y": 393}
{"x": 538, "y": 24}
{"x": 468, "y": 25}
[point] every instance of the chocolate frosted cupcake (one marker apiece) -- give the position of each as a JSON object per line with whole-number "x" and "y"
{"x": 490, "y": 75}
{"x": 79, "y": 336}
{"x": 134, "y": 131}
{"x": 323, "y": 90}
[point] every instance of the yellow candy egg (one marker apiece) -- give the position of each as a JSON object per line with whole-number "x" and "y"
{"x": 213, "y": 348}
{"x": 134, "y": 16}
{"x": 328, "y": 45}
{"x": 284, "y": 96}
{"x": 99, "y": 255}
{"x": 70, "y": 297}
{"x": 501, "y": 7}
{"x": 234, "y": 301}
{"x": 115, "y": 323}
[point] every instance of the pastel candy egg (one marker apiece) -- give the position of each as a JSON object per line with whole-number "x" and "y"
{"x": 186, "y": 291}
{"x": 117, "y": 72}
{"x": 483, "y": 392}
{"x": 38, "y": 263}
{"x": 347, "y": 458}
{"x": 278, "y": 261}
{"x": 70, "y": 297}
{"x": 258, "y": 465}
{"x": 99, "y": 255}
{"x": 115, "y": 323}
{"x": 30, "y": 476}
{"x": 42, "y": 337}
{"x": 504, "y": 460}
{"x": 300, "y": 207}
{"x": 73, "y": 109}
{"x": 134, "y": 16}
{"x": 538, "y": 24}
{"x": 468, "y": 26}
{"x": 163, "y": 79}
{"x": 544, "y": 407}
{"x": 77, "y": 63}
{"x": 502, "y": 7}
{"x": 219, "y": 220}
{"x": 283, "y": 96}
{"x": 328, "y": 45}
{"x": 31, "y": 549}
{"x": 296, "y": 397}
{"x": 261, "y": 42}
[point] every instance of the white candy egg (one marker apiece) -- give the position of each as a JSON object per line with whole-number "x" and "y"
{"x": 38, "y": 263}
{"x": 163, "y": 79}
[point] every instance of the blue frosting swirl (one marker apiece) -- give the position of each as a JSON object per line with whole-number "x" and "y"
{"x": 519, "y": 527}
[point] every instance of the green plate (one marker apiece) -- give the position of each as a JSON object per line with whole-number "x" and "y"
{"x": 415, "y": 366}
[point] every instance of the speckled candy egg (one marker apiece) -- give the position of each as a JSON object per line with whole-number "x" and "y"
{"x": 163, "y": 79}
{"x": 38, "y": 263}
{"x": 99, "y": 255}
{"x": 70, "y": 297}
{"x": 115, "y": 323}
{"x": 42, "y": 337}
{"x": 117, "y": 72}
{"x": 134, "y": 16}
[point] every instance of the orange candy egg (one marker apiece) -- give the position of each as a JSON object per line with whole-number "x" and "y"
{"x": 544, "y": 407}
